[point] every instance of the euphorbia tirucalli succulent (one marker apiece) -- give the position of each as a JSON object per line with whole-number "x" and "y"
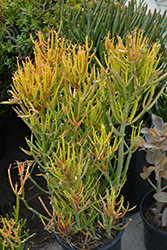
{"x": 78, "y": 116}
{"x": 155, "y": 143}
{"x": 60, "y": 100}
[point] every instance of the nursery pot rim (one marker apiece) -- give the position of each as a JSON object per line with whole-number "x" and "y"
{"x": 143, "y": 213}
{"x": 108, "y": 246}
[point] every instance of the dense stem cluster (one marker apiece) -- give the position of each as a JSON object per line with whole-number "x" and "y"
{"x": 78, "y": 115}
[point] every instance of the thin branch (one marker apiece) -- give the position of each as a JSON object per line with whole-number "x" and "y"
{"x": 164, "y": 188}
{"x": 152, "y": 184}
{"x": 9, "y": 36}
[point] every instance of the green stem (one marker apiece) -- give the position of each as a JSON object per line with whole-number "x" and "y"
{"x": 121, "y": 145}
{"x": 109, "y": 228}
{"x": 145, "y": 108}
{"x": 77, "y": 220}
{"x": 120, "y": 156}
{"x": 17, "y": 207}
{"x": 126, "y": 166}
{"x": 34, "y": 211}
{"x": 107, "y": 177}
{"x": 116, "y": 132}
{"x": 44, "y": 149}
{"x": 40, "y": 188}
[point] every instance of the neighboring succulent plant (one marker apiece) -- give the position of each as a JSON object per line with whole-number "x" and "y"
{"x": 115, "y": 17}
{"x": 156, "y": 146}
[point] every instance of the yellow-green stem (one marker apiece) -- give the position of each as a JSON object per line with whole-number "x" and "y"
{"x": 121, "y": 145}
{"x": 35, "y": 211}
{"x": 120, "y": 156}
{"x": 17, "y": 207}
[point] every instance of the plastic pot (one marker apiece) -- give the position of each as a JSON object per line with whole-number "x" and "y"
{"x": 154, "y": 239}
{"x": 114, "y": 245}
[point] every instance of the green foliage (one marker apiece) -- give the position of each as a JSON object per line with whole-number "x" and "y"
{"x": 61, "y": 102}
{"x": 69, "y": 107}
{"x": 132, "y": 77}
{"x": 59, "y": 87}
{"x": 22, "y": 18}
{"x": 4, "y": 77}
{"x": 115, "y": 17}
{"x": 119, "y": 19}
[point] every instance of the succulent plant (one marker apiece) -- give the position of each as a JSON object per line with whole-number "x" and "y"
{"x": 78, "y": 116}
{"x": 62, "y": 106}
{"x": 155, "y": 143}
{"x": 115, "y": 17}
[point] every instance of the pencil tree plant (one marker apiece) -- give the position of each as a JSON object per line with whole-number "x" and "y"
{"x": 78, "y": 117}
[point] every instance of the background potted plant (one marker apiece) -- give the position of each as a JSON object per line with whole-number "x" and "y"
{"x": 153, "y": 206}
{"x": 78, "y": 117}
{"x": 116, "y": 17}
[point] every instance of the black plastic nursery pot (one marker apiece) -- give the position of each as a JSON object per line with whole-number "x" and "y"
{"x": 154, "y": 239}
{"x": 113, "y": 245}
